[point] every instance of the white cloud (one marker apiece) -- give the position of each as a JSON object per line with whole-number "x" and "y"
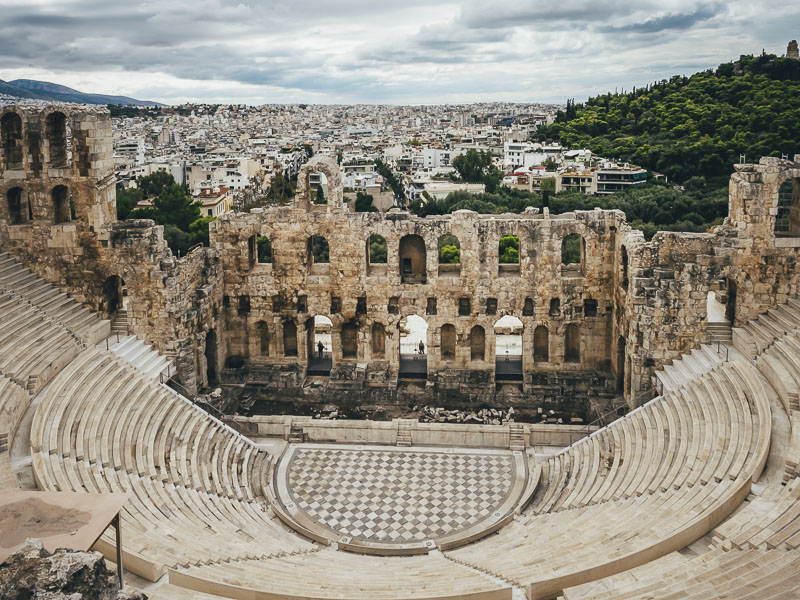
{"x": 367, "y": 51}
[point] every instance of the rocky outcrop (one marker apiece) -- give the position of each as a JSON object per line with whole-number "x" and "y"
{"x": 33, "y": 573}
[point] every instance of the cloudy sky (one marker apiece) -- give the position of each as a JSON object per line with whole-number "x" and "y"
{"x": 378, "y": 51}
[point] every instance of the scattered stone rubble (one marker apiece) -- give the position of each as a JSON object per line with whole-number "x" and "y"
{"x": 33, "y": 573}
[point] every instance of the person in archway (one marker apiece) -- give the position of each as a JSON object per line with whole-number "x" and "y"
{"x": 421, "y": 347}
{"x": 320, "y": 348}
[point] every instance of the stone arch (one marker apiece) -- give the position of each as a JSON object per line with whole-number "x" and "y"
{"x": 19, "y": 210}
{"x": 330, "y": 169}
{"x": 62, "y": 210}
{"x": 114, "y": 293}
{"x": 413, "y": 341}
{"x": 477, "y": 343}
{"x": 11, "y": 139}
{"x": 56, "y": 131}
{"x": 541, "y": 344}
{"x": 349, "y": 340}
{"x": 572, "y": 343}
{"x": 572, "y": 252}
{"x": 289, "y": 338}
{"x": 447, "y": 335}
{"x": 508, "y": 331}
{"x": 262, "y": 336}
{"x": 378, "y": 340}
{"x": 413, "y": 259}
{"x": 508, "y": 256}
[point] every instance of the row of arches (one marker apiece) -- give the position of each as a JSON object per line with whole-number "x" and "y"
{"x": 412, "y": 253}
{"x": 19, "y": 206}
{"x": 413, "y": 340}
{"x": 57, "y": 134}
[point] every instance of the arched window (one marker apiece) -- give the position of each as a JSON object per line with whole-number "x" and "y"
{"x": 349, "y": 340}
{"x": 527, "y": 308}
{"x": 571, "y": 257}
{"x": 17, "y": 212}
{"x": 11, "y": 135}
{"x": 56, "y": 128}
{"x": 477, "y": 343}
{"x": 541, "y": 344}
{"x": 61, "y": 204}
{"x": 289, "y": 338}
{"x": 318, "y": 187}
{"x": 263, "y": 250}
{"x": 448, "y": 334}
{"x": 572, "y": 343}
{"x": 262, "y": 331}
{"x": 318, "y": 250}
{"x": 449, "y": 255}
{"x": 412, "y": 262}
{"x": 376, "y": 250}
{"x": 378, "y": 340}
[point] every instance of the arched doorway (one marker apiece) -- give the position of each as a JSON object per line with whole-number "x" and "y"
{"x": 413, "y": 260}
{"x": 508, "y": 348}
{"x": 349, "y": 340}
{"x": 730, "y": 303}
{"x": 621, "y": 365}
{"x": 114, "y": 293}
{"x": 413, "y": 348}
{"x": 319, "y": 329}
{"x": 289, "y": 338}
{"x": 211, "y": 357}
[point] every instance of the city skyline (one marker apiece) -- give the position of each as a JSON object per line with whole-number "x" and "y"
{"x": 360, "y": 52}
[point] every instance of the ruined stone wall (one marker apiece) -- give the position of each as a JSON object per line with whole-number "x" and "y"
{"x": 629, "y": 306}
{"x": 58, "y": 216}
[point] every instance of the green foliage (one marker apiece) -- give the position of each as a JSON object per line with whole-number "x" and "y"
{"x": 476, "y": 167}
{"x": 198, "y": 231}
{"x": 127, "y": 201}
{"x": 177, "y": 240}
{"x": 280, "y": 190}
{"x": 319, "y": 249}
{"x": 377, "y": 249}
{"x": 174, "y": 206}
{"x": 509, "y": 250}
{"x": 571, "y": 249}
{"x": 693, "y": 126}
{"x": 449, "y": 250}
{"x": 264, "y": 248}
{"x": 143, "y": 213}
{"x": 391, "y": 180}
{"x": 364, "y": 203}
{"x": 154, "y": 184}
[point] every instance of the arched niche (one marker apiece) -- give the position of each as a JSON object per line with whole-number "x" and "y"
{"x": 572, "y": 343}
{"x": 349, "y": 340}
{"x": 413, "y": 259}
{"x": 11, "y": 140}
{"x": 56, "y": 132}
{"x": 541, "y": 344}
{"x": 477, "y": 343}
{"x": 447, "y": 341}
{"x": 378, "y": 340}
{"x": 62, "y": 211}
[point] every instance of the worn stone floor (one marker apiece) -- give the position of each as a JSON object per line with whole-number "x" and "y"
{"x": 397, "y": 495}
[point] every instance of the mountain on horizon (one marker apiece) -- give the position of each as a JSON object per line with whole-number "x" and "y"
{"x": 44, "y": 90}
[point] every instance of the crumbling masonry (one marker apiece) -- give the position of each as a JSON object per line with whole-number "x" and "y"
{"x": 243, "y": 309}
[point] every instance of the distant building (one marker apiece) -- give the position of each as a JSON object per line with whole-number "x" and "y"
{"x": 791, "y": 50}
{"x": 612, "y": 179}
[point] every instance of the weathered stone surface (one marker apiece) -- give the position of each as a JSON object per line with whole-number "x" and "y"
{"x": 32, "y": 573}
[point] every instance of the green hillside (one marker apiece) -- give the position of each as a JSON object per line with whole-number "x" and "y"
{"x": 693, "y": 126}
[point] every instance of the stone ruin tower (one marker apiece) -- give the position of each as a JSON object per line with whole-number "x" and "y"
{"x": 791, "y": 50}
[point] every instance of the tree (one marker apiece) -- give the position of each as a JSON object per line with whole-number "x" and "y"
{"x": 154, "y": 184}
{"x": 377, "y": 249}
{"x": 198, "y": 231}
{"x": 391, "y": 180}
{"x": 127, "y": 201}
{"x": 509, "y": 250}
{"x": 177, "y": 240}
{"x": 264, "y": 249}
{"x": 476, "y": 167}
{"x": 281, "y": 189}
{"x": 174, "y": 206}
{"x": 364, "y": 203}
{"x": 449, "y": 255}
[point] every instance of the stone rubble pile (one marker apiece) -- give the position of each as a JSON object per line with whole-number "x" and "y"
{"x": 484, "y": 416}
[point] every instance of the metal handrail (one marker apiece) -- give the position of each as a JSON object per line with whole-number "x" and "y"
{"x": 719, "y": 347}
{"x": 587, "y": 428}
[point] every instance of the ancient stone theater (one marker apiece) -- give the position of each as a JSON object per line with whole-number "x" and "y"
{"x": 109, "y": 345}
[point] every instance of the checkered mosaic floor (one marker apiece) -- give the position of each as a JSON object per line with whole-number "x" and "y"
{"x": 398, "y": 496}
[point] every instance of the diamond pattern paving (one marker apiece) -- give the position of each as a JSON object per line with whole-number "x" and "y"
{"x": 398, "y": 496}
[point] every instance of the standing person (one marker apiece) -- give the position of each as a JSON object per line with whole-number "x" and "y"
{"x": 320, "y": 348}
{"x": 421, "y": 347}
